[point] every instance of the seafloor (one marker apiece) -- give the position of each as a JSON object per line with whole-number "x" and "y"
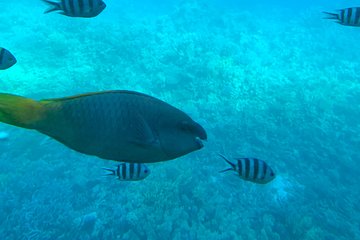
{"x": 281, "y": 85}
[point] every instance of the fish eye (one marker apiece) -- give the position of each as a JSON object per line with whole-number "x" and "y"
{"x": 146, "y": 171}
{"x": 272, "y": 174}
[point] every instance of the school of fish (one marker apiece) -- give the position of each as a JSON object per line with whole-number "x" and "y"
{"x": 124, "y": 126}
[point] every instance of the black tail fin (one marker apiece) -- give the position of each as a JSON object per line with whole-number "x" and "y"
{"x": 331, "y": 16}
{"x": 110, "y": 172}
{"x": 54, "y": 6}
{"x": 233, "y": 166}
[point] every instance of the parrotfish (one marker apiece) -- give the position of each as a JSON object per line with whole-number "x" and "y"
{"x": 7, "y": 60}
{"x": 77, "y": 8}
{"x": 251, "y": 169}
{"x": 129, "y": 171}
{"x": 122, "y": 126}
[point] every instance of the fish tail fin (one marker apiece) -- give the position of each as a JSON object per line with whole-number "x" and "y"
{"x": 331, "y": 15}
{"x": 110, "y": 172}
{"x": 54, "y": 6}
{"x": 20, "y": 111}
{"x": 225, "y": 170}
{"x": 233, "y": 166}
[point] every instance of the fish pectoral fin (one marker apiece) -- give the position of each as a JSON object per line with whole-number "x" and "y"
{"x": 142, "y": 134}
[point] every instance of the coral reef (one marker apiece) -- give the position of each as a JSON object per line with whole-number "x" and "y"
{"x": 281, "y": 87}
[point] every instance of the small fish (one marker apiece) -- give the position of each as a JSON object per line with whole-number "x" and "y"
{"x": 129, "y": 171}
{"x": 346, "y": 16}
{"x": 7, "y": 60}
{"x": 77, "y": 8}
{"x": 251, "y": 169}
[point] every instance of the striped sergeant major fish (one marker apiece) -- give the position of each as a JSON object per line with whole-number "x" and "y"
{"x": 7, "y": 60}
{"x": 77, "y": 8}
{"x": 251, "y": 169}
{"x": 129, "y": 171}
{"x": 346, "y": 16}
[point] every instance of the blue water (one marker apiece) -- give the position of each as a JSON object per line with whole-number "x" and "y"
{"x": 267, "y": 79}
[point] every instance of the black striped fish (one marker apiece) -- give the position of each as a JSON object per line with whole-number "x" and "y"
{"x": 77, "y": 8}
{"x": 7, "y": 60}
{"x": 251, "y": 169}
{"x": 129, "y": 171}
{"x": 346, "y": 16}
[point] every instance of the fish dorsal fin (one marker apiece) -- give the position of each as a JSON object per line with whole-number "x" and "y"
{"x": 142, "y": 133}
{"x": 97, "y": 93}
{"x": 233, "y": 165}
{"x": 244, "y": 158}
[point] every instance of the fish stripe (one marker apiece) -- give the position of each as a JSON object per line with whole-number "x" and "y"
{"x": 264, "y": 171}
{"x": 81, "y": 6}
{"x": 268, "y": 170}
{"x": 342, "y": 16}
{"x": 357, "y": 16}
{"x": 123, "y": 175}
{"x": 353, "y": 15}
{"x": 128, "y": 171}
{"x": 70, "y": 8}
{"x": 243, "y": 167}
{"x": 75, "y": 4}
{"x": 139, "y": 169}
{"x": 76, "y": 7}
{"x": 67, "y": 7}
{"x": 251, "y": 174}
{"x": 132, "y": 170}
{"x": 247, "y": 168}
{"x": 2, "y": 52}
{"x": 346, "y": 13}
{"x": 118, "y": 171}
{"x": 240, "y": 167}
{"x": 256, "y": 168}
{"x": 135, "y": 170}
{"x": 86, "y": 5}
{"x": 91, "y": 5}
{"x": 349, "y": 13}
{"x": 261, "y": 169}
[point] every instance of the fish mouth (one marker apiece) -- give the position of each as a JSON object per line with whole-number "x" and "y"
{"x": 199, "y": 142}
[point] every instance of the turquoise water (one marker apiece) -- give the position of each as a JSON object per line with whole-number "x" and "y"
{"x": 267, "y": 80}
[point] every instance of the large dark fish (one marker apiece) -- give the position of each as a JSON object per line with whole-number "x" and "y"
{"x": 116, "y": 125}
{"x": 346, "y": 16}
{"x": 77, "y": 8}
{"x": 251, "y": 169}
{"x": 7, "y": 60}
{"x": 129, "y": 171}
